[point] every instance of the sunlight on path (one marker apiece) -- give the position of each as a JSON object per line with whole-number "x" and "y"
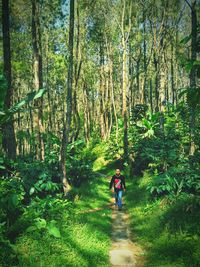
{"x": 123, "y": 252}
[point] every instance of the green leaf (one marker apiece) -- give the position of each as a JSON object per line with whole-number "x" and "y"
{"x": 6, "y": 115}
{"x": 53, "y": 230}
{"x": 49, "y": 185}
{"x": 31, "y": 229}
{"x": 43, "y": 186}
{"x": 188, "y": 66}
{"x": 146, "y": 123}
{"x": 3, "y": 89}
{"x": 139, "y": 124}
{"x": 151, "y": 132}
{"x": 14, "y": 199}
{"x": 186, "y": 39}
{"x": 32, "y": 190}
{"x": 30, "y": 96}
{"x": 40, "y": 223}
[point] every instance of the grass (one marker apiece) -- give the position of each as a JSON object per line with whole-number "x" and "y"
{"x": 85, "y": 236}
{"x": 170, "y": 233}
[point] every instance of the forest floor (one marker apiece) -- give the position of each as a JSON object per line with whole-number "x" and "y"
{"x": 85, "y": 229}
{"x": 93, "y": 233}
{"x": 85, "y": 232}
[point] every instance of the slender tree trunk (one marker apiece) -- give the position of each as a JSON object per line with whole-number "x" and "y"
{"x": 86, "y": 114}
{"x": 172, "y": 75}
{"x": 151, "y": 95}
{"x": 77, "y": 71}
{"x": 124, "y": 104}
{"x": 67, "y": 125}
{"x": 193, "y": 44}
{"x": 125, "y": 79}
{"x": 156, "y": 84}
{"x": 50, "y": 122}
{"x": 138, "y": 81}
{"x": 145, "y": 92}
{"x": 131, "y": 86}
{"x": 112, "y": 98}
{"x": 193, "y": 73}
{"x": 77, "y": 116}
{"x": 9, "y": 142}
{"x": 101, "y": 94}
{"x": 38, "y": 76}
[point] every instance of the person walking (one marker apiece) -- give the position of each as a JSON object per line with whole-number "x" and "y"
{"x": 118, "y": 181}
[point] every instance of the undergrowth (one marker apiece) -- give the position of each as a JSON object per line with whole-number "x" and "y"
{"x": 60, "y": 232}
{"x": 168, "y": 228}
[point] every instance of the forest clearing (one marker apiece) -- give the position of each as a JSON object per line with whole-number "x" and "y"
{"x": 100, "y": 133}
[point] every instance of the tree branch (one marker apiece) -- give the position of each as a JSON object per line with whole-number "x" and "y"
{"x": 188, "y": 4}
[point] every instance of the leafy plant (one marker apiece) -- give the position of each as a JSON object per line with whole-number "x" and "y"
{"x": 12, "y": 194}
{"x": 6, "y": 114}
{"x": 44, "y": 184}
{"x": 174, "y": 182}
{"x": 148, "y": 124}
{"x": 164, "y": 184}
{"x": 42, "y": 224}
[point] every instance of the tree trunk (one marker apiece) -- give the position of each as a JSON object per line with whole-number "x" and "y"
{"x": 125, "y": 78}
{"x": 77, "y": 71}
{"x": 38, "y": 76}
{"x": 137, "y": 93}
{"x": 112, "y": 97}
{"x": 193, "y": 72}
{"x": 9, "y": 141}
{"x": 101, "y": 95}
{"x": 156, "y": 83}
{"x": 151, "y": 95}
{"x": 145, "y": 91}
{"x": 172, "y": 75}
{"x": 67, "y": 125}
{"x": 86, "y": 113}
{"x": 124, "y": 104}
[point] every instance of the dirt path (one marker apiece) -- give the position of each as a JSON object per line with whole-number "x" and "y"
{"x": 124, "y": 252}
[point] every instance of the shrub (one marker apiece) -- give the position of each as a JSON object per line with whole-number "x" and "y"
{"x": 176, "y": 180}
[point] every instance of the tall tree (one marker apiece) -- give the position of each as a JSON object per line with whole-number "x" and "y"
{"x": 9, "y": 142}
{"x": 37, "y": 68}
{"x": 67, "y": 119}
{"x": 125, "y": 33}
{"x": 193, "y": 72}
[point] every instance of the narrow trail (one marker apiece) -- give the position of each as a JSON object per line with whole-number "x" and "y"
{"x": 124, "y": 252}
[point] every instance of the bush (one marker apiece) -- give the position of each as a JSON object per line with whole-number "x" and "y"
{"x": 80, "y": 171}
{"x": 12, "y": 194}
{"x": 176, "y": 180}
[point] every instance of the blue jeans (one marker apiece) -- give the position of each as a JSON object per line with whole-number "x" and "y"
{"x": 118, "y": 198}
